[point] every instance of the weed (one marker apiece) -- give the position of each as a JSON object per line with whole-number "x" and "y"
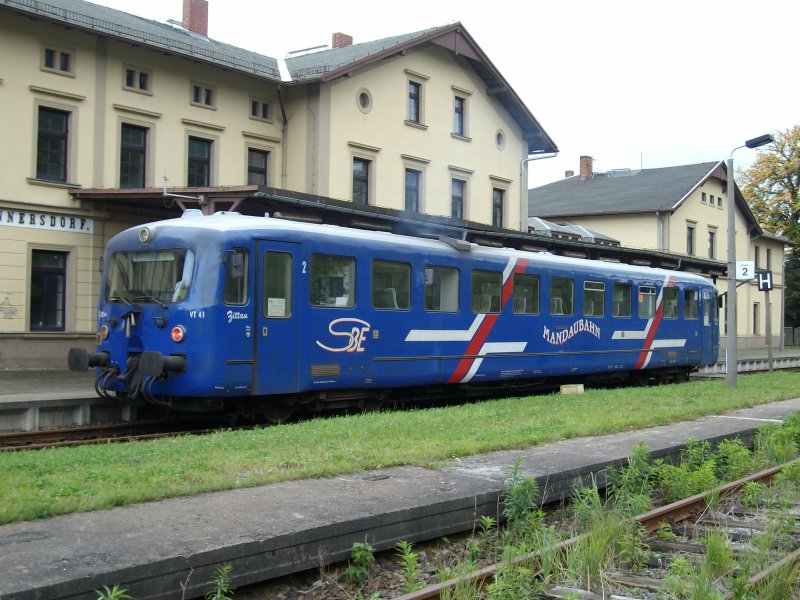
{"x": 220, "y": 584}
{"x": 520, "y": 496}
{"x": 362, "y": 555}
{"x": 409, "y": 562}
{"x": 733, "y": 460}
{"x": 719, "y": 556}
{"x": 754, "y": 494}
{"x": 664, "y": 532}
{"x": 113, "y": 593}
{"x": 586, "y": 504}
{"x": 514, "y": 581}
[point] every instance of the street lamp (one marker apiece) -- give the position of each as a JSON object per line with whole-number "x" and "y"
{"x": 731, "y": 359}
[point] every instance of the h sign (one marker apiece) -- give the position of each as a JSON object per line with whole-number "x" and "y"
{"x": 764, "y": 281}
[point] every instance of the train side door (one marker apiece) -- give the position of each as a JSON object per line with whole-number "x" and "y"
{"x": 709, "y": 329}
{"x": 276, "y": 343}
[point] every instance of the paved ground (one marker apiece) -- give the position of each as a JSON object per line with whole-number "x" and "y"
{"x": 270, "y": 530}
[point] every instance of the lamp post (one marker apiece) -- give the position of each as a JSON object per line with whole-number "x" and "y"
{"x": 731, "y": 363}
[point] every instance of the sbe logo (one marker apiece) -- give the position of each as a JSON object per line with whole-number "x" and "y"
{"x": 354, "y": 330}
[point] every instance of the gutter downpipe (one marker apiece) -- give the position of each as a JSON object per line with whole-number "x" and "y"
{"x": 285, "y": 129}
{"x": 660, "y": 218}
{"x": 523, "y": 187}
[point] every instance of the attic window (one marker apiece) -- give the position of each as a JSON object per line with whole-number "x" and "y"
{"x": 364, "y": 100}
{"x": 500, "y": 139}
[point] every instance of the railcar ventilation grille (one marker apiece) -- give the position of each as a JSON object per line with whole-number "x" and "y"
{"x": 326, "y": 370}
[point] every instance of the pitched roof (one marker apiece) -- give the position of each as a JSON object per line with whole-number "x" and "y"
{"x": 326, "y": 65}
{"x": 618, "y": 191}
{"x": 121, "y": 25}
{"x": 625, "y": 191}
{"x": 331, "y": 64}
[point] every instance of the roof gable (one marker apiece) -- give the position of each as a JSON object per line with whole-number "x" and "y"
{"x": 329, "y": 65}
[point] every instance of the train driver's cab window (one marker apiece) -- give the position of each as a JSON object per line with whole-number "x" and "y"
{"x": 690, "y": 304}
{"x": 670, "y": 303}
{"x": 621, "y": 300}
{"x": 391, "y": 285}
{"x": 277, "y": 292}
{"x": 441, "y": 289}
{"x": 647, "y": 301}
{"x": 235, "y": 289}
{"x": 333, "y": 281}
{"x": 526, "y": 294}
{"x": 594, "y": 293}
{"x": 561, "y": 295}
{"x": 486, "y": 291}
{"x": 158, "y": 276}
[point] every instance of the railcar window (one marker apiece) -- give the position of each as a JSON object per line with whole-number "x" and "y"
{"x": 594, "y": 293}
{"x": 707, "y": 308}
{"x": 670, "y": 303}
{"x": 333, "y": 280}
{"x": 486, "y": 290}
{"x": 690, "y": 304}
{"x": 526, "y": 294}
{"x": 391, "y": 285}
{"x": 621, "y": 300}
{"x": 647, "y": 301}
{"x": 158, "y": 276}
{"x": 277, "y": 293}
{"x": 235, "y": 289}
{"x": 441, "y": 289}
{"x": 561, "y": 295}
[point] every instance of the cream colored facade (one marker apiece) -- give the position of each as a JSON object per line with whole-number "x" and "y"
{"x": 704, "y": 211}
{"x": 311, "y": 133}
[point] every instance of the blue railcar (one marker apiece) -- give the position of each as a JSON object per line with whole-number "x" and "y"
{"x": 256, "y": 314}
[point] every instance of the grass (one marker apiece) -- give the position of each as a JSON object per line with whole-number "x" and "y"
{"x": 39, "y": 484}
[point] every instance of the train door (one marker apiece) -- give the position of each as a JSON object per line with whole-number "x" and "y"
{"x": 277, "y": 320}
{"x": 709, "y": 330}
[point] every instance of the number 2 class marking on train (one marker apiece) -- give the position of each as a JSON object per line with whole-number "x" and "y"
{"x": 304, "y": 266}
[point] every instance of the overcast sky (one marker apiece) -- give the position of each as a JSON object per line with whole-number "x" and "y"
{"x": 629, "y": 82}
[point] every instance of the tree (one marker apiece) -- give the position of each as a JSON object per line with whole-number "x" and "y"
{"x": 771, "y": 187}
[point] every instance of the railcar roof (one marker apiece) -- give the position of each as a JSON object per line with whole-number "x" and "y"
{"x": 226, "y": 222}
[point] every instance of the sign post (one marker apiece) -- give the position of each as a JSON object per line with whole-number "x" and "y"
{"x": 765, "y": 285}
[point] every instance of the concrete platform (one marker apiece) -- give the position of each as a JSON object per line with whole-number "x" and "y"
{"x": 151, "y": 549}
{"x": 52, "y": 399}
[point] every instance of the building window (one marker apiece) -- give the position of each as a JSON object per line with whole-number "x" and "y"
{"x": 48, "y": 290}
{"x": 458, "y": 188}
{"x": 756, "y": 324}
{"x": 133, "y": 150}
{"x": 51, "y": 148}
{"x": 361, "y": 180}
{"x": 711, "y": 201}
{"x": 257, "y": 166}
{"x": 690, "y": 240}
{"x": 261, "y": 110}
{"x": 498, "y": 201}
{"x": 712, "y": 243}
{"x": 137, "y": 80}
{"x": 703, "y": 198}
{"x": 459, "y": 116}
{"x": 719, "y": 201}
{"x": 414, "y": 102}
{"x": 199, "y": 168}
{"x": 58, "y": 60}
{"x": 412, "y": 191}
{"x": 769, "y": 259}
{"x": 757, "y": 256}
{"x": 204, "y": 95}
{"x": 364, "y": 100}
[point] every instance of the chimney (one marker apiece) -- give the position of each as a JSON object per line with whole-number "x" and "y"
{"x": 195, "y": 16}
{"x": 568, "y": 174}
{"x": 340, "y": 40}
{"x": 586, "y": 167}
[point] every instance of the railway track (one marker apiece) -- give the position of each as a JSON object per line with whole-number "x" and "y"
{"x": 691, "y": 521}
{"x": 100, "y": 434}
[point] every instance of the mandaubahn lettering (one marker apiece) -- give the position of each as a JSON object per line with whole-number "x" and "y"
{"x": 38, "y": 220}
{"x": 557, "y": 338}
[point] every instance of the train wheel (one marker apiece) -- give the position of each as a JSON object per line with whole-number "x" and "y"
{"x": 277, "y": 412}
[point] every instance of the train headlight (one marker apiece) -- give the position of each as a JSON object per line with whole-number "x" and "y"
{"x": 104, "y": 332}
{"x": 177, "y": 333}
{"x": 145, "y": 235}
